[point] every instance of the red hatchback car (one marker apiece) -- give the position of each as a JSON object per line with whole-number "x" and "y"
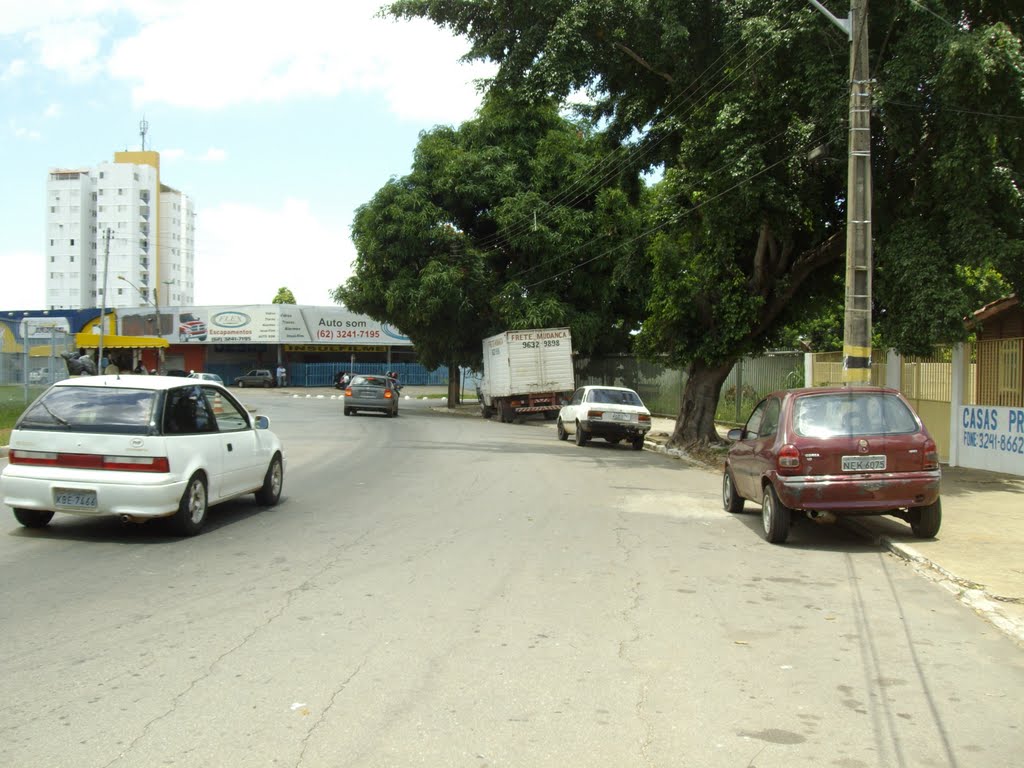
{"x": 844, "y": 450}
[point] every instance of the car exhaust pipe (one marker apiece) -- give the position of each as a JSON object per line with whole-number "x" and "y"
{"x": 824, "y": 518}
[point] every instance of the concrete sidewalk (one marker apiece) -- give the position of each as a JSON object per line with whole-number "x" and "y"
{"x": 979, "y": 552}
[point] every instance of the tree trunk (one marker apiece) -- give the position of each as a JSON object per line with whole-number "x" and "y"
{"x": 454, "y": 386}
{"x": 696, "y": 420}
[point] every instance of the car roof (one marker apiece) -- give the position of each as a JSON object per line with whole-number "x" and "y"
{"x": 602, "y": 386}
{"x": 833, "y": 390}
{"x": 127, "y": 381}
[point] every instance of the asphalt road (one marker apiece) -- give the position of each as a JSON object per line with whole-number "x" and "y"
{"x": 437, "y": 590}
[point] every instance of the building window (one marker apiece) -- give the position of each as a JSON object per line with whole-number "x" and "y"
{"x": 51, "y": 242}
{"x": 72, "y": 241}
{"x": 101, "y": 174}
{"x": 72, "y": 259}
{"x": 53, "y": 209}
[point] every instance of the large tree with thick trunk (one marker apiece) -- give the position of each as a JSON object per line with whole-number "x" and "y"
{"x": 744, "y": 106}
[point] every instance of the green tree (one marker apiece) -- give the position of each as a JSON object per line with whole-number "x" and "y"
{"x": 469, "y": 243}
{"x": 731, "y": 99}
{"x": 284, "y": 296}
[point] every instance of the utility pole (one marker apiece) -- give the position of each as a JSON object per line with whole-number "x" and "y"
{"x": 857, "y": 316}
{"x": 103, "y": 302}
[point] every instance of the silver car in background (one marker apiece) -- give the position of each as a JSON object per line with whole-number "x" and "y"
{"x": 372, "y": 393}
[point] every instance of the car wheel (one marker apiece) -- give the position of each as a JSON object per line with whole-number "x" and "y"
{"x": 393, "y": 412}
{"x": 732, "y": 501}
{"x": 582, "y": 438}
{"x": 560, "y": 429}
{"x": 775, "y": 516}
{"x": 241, "y": 385}
{"x": 33, "y": 518}
{"x": 347, "y": 411}
{"x": 638, "y": 443}
{"x": 926, "y": 521}
{"x": 267, "y": 385}
{"x": 191, "y": 514}
{"x": 269, "y": 494}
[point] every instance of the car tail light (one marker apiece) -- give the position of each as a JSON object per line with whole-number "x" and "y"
{"x": 789, "y": 457}
{"x": 91, "y": 461}
{"x": 387, "y": 394}
{"x": 931, "y": 455}
{"x": 595, "y": 415}
{"x": 644, "y": 417}
{"x": 348, "y": 392}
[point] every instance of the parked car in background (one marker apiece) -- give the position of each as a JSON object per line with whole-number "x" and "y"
{"x": 371, "y": 393}
{"x": 39, "y": 376}
{"x": 840, "y": 450}
{"x": 257, "y": 377}
{"x": 612, "y": 413}
{"x": 206, "y": 377}
{"x": 139, "y": 447}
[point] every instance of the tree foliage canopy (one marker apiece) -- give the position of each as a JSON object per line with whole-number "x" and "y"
{"x": 733, "y": 100}
{"x": 482, "y": 236}
{"x": 284, "y": 296}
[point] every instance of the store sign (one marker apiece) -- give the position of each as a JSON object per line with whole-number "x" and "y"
{"x": 992, "y": 437}
{"x": 336, "y": 329}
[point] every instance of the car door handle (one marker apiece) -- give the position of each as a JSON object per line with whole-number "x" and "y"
{"x": 230, "y": 448}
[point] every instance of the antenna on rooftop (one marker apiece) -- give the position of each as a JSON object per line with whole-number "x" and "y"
{"x": 143, "y": 129}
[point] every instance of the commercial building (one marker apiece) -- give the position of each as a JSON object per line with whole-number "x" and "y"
{"x": 121, "y": 214}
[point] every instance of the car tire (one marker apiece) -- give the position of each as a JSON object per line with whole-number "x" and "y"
{"x": 267, "y": 385}
{"x": 560, "y": 429}
{"x": 926, "y": 521}
{"x": 638, "y": 443}
{"x": 33, "y": 518}
{"x": 582, "y": 438}
{"x": 731, "y": 500}
{"x": 393, "y": 413}
{"x": 191, "y": 514}
{"x": 775, "y": 516}
{"x": 273, "y": 481}
{"x": 241, "y": 385}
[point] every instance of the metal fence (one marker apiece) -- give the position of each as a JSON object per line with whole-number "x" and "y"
{"x": 27, "y": 369}
{"x": 998, "y": 377}
{"x": 661, "y": 387}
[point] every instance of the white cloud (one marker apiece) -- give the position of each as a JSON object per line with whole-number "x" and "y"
{"x": 71, "y": 48}
{"x": 215, "y": 155}
{"x": 53, "y": 110}
{"x": 277, "y": 55}
{"x": 15, "y": 69}
{"x": 244, "y": 253}
{"x": 172, "y": 154}
{"x": 21, "y": 132}
{"x": 26, "y": 289}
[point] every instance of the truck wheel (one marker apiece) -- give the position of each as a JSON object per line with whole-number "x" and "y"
{"x": 560, "y": 429}
{"x": 638, "y": 443}
{"x": 550, "y": 415}
{"x": 775, "y": 516}
{"x": 926, "y": 521}
{"x": 504, "y": 415}
{"x": 582, "y": 438}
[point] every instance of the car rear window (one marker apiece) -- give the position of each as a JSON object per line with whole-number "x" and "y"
{"x": 853, "y": 413}
{"x": 92, "y": 409}
{"x": 372, "y": 381}
{"x": 616, "y": 397}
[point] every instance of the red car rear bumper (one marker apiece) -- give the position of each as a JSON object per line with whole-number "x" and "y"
{"x": 859, "y": 494}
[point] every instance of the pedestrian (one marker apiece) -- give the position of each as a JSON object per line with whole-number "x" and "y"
{"x": 282, "y": 375}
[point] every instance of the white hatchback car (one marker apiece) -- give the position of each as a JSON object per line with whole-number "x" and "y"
{"x": 138, "y": 447}
{"x": 613, "y": 413}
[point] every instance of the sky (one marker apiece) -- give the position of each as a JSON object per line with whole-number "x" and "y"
{"x": 278, "y": 122}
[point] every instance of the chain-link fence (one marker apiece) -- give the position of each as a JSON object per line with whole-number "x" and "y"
{"x": 28, "y": 366}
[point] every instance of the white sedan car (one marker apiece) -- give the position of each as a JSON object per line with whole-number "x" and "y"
{"x": 138, "y": 447}
{"x": 613, "y": 413}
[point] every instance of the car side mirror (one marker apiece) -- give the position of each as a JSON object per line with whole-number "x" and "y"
{"x": 261, "y": 422}
{"x": 735, "y": 434}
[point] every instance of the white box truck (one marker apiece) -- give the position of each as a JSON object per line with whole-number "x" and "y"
{"x": 526, "y": 372}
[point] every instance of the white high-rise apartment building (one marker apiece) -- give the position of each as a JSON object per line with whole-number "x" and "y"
{"x": 118, "y": 214}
